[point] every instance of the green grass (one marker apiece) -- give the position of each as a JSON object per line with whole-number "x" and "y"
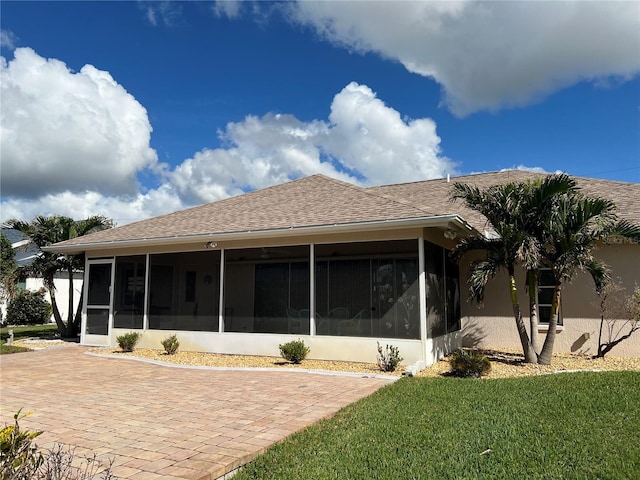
{"x": 569, "y": 426}
{"x": 47, "y": 331}
{"x": 7, "y": 349}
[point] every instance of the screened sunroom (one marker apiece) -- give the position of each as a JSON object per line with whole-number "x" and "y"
{"x": 363, "y": 289}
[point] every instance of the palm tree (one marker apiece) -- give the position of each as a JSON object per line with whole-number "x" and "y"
{"x": 573, "y": 230}
{"x": 44, "y": 231}
{"x": 515, "y": 211}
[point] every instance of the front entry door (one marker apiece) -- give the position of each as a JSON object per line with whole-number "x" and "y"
{"x": 97, "y": 316}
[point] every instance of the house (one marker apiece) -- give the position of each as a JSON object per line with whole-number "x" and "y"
{"x": 25, "y": 253}
{"x": 339, "y": 266}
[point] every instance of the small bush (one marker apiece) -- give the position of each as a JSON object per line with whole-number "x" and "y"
{"x": 20, "y": 458}
{"x": 128, "y": 341}
{"x": 468, "y": 363}
{"x": 28, "y": 308}
{"x": 294, "y": 351}
{"x": 389, "y": 358}
{"x": 171, "y": 344}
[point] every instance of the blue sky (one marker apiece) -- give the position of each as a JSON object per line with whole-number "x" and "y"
{"x": 133, "y": 109}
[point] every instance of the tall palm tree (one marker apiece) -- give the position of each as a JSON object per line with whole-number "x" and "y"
{"x": 573, "y": 230}
{"x": 515, "y": 211}
{"x": 46, "y": 230}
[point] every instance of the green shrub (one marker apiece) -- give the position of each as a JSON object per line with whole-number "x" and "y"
{"x": 28, "y": 308}
{"x": 128, "y": 341}
{"x": 171, "y": 344}
{"x": 294, "y": 351}
{"x": 389, "y": 358}
{"x": 20, "y": 458}
{"x": 469, "y": 363}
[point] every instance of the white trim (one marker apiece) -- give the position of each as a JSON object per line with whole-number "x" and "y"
{"x": 83, "y": 324}
{"x": 449, "y": 221}
{"x": 221, "y": 294}
{"x": 422, "y": 293}
{"x": 147, "y": 276}
{"x": 312, "y": 289}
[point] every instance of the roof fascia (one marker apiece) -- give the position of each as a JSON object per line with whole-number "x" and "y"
{"x": 450, "y": 221}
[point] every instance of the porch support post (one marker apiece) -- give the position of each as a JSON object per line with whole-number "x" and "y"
{"x": 145, "y": 309}
{"x": 221, "y": 295}
{"x": 312, "y": 289}
{"x": 422, "y": 288}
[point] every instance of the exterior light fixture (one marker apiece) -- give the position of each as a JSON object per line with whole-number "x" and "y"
{"x": 211, "y": 245}
{"x": 450, "y": 234}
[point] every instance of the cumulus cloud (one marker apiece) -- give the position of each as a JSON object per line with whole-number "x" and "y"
{"x": 488, "y": 55}
{"x": 364, "y": 142}
{"x": 67, "y": 131}
{"x": 74, "y": 143}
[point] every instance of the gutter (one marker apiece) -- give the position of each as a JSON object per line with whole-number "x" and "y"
{"x": 454, "y": 222}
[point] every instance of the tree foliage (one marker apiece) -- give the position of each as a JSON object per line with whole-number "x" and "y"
{"x": 543, "y": 223}
{"x": 47, "y": 230}
{"x": 8, "y": 268}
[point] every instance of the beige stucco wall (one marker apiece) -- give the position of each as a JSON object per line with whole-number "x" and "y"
{"x": 493, "y": 324}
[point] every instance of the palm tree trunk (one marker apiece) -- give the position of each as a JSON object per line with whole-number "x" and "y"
{"x": 78, "y": 317}
{"x": 547, "y": 349}
{"x": 532, "y": 282}
{"x": 56, "y": 312}
{"x": 71, "y": 312}
{"x": 530, "y": 355}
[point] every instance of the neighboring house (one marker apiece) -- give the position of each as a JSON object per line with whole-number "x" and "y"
{"x": 339, "y": 266}
{"x": 25, "y": 253}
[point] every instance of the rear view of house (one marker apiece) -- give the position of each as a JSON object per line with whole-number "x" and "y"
{"x": 339, "y": 266}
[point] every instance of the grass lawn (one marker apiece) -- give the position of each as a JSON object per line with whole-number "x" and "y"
{"x": 47, "y": 331}
{"x": 569, "y": 426}
{"x": 39, "y": 331}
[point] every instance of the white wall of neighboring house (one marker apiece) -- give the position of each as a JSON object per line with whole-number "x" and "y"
{"x": 61, "y": 282}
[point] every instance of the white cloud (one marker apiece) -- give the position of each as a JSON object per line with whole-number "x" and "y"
{"x": 227, "y": 8}
{"x": 167, "y": 13}
{"x": 122, "y": 209}
{"x": 489, "y": 55}
{"x": 74, "y": 143}
{"x": 65, "y": 131}
{"x": 8, "y": 39}
{"x": 364, "y": 142}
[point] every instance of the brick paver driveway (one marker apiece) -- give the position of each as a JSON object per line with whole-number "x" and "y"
{"x": 163, "y": 422}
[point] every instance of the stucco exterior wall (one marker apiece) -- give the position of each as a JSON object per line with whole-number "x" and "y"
{"x": 493, "y": 324}
{"x": 61, "y": 283}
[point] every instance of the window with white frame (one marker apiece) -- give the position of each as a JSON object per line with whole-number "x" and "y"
{"x": 546, "y": 285}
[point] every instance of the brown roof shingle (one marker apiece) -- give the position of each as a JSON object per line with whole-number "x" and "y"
{"x": 319, "y": 201}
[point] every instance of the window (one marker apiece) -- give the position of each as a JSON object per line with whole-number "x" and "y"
{"x": 546, "y": 285}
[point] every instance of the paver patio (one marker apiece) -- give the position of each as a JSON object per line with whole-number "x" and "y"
{"x": 164, "y": 422}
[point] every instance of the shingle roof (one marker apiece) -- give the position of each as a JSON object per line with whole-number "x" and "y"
{"x": 435, "y": 194}
{"x": 321, "y": 201}
{"x": 25, "y": 251}
{"x": 311, "y": 201}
